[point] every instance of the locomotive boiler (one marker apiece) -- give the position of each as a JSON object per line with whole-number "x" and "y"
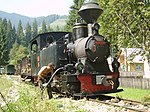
{"x": 81, "y": 58}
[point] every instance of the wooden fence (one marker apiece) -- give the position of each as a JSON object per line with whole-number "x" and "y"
{"x": 131, "y": 74}
{"x": 132, "y": 82}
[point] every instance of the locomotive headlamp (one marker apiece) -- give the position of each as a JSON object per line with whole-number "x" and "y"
{"x": 96, "y": 26}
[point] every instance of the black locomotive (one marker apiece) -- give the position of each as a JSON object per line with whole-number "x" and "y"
{"x": 81, "y": 58}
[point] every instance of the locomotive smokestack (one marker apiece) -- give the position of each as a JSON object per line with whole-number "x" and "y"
{"x": 90, "y": 12}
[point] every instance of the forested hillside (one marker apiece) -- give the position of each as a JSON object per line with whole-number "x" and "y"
{"x": 15, "y": 18}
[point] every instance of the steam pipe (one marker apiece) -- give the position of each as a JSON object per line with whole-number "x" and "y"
{"x": 61, "y": 68}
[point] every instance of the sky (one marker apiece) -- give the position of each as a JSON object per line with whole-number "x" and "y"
{"x": 36, "y": 8}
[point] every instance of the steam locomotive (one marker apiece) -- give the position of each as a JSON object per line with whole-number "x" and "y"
{"x": 81, "y": 58}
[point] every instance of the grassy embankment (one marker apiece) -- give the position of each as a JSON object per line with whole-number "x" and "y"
{"x": 29, "y": 99}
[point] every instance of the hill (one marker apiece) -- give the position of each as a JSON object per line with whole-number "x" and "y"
{"x": 14, "y": 18}
{"x": 59, "y": 22}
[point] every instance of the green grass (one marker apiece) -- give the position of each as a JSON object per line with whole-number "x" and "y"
{"x": 30, "y": 99}
{"x": 133, "y": 94}
{"x": 4, "y": 82}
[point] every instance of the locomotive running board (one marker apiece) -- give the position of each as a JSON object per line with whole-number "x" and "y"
{"x": 96, "y": 93}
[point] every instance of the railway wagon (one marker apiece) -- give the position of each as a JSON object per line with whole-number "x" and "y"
{"x": 8, "y": 69}
{"x": 23, "y": 68}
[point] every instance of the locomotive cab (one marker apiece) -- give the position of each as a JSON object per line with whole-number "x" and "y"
{"x": 47, "y": 48}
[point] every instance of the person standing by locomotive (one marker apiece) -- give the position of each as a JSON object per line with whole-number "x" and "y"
{"x": 43, "y": 77}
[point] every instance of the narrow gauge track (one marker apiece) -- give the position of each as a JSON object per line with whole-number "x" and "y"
{"x": 134, "y": 106}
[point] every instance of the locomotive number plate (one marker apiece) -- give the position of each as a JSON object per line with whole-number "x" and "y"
{"x": 99, "y": 79}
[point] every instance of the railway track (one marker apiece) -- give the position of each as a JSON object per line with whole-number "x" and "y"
{"x": 128, "y": 105}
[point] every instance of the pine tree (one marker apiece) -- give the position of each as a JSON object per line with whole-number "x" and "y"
{"x": 20, "y": 34}
{"x": 14, "y": 35}
{"x": 9, "y": 35}
{"x": 27, "y": 34}
{"x": 44, "y": 28}
{"x": 1, "y": 43}
{"x": 34, "y": 28}
{"x": 4, "y": 54}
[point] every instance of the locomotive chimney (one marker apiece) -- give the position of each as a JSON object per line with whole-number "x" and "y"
{"x": 90, "y": 12}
